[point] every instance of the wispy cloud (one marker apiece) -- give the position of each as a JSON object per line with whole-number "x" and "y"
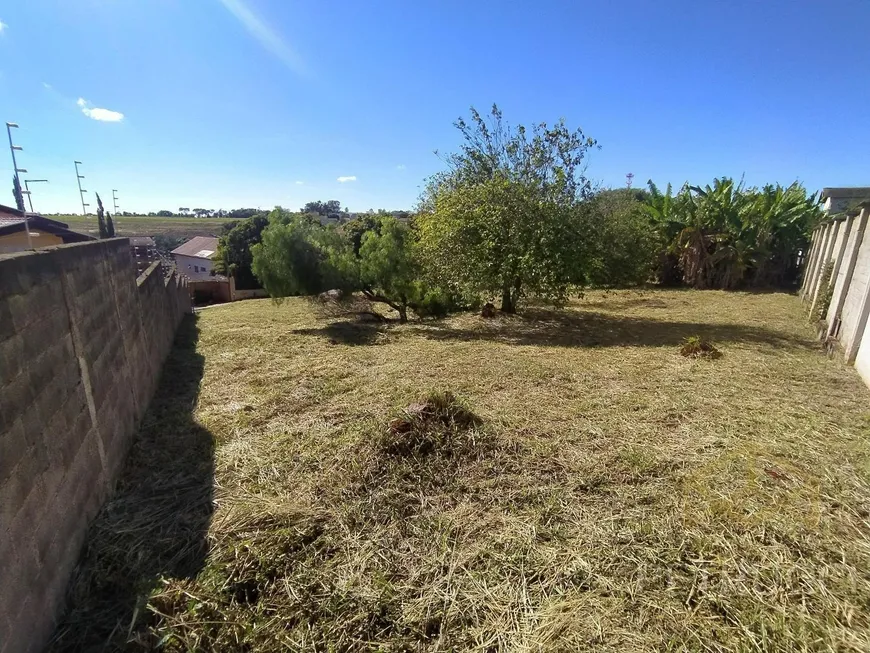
{"x": 264, "y": 34}
{"x": 96, "y": 113}
{"x": 47, "y": 86}
{"x": 3, "y": 26}
{"x": 299, "y": 183}
{"x": 342, "y": 180}
{"x": 401, "y": 166}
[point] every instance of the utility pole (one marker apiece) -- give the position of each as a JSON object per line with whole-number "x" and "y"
{"x": 115, "y": 200}
{"x": 27, "y": 190}
{"x": 628, "y": 179}
{"x": 82, "y": 191}
{"x": 12, "y": 148}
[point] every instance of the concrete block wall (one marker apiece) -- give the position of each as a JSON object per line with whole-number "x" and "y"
{"x": 845, "y": 241}
{"x": 82, "y": 342}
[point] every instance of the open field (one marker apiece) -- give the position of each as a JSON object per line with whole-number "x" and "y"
{"x": 595, "y": 491}
{"x": 141, "y": 225}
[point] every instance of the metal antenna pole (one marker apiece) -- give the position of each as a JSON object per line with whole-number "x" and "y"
{"x": 12, "y": 148}
{"x": 82, "y": 191}
{"x": 628, "y": 179}
{"x": 30, "y": 194}
{"x": 115, "y": 200}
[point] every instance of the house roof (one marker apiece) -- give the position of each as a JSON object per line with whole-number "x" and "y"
{"x": 198, "y": 247}
{"x": 9, "y": 212}
{"x": 861, "y": 192}
{"x": 12, "y": 221}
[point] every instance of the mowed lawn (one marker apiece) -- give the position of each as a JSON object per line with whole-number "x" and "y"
{"x": 607, "y": 494}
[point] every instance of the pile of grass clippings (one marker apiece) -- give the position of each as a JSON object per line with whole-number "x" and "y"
{"x": 698, "y": 347}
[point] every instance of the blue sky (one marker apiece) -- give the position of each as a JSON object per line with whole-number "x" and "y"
{"x": 230, "y": 103}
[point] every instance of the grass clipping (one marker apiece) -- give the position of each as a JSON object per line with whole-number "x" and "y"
{"x": 576, "y": 496}
{"x": 698, "y": 347}
{"x": 352, "y": 574}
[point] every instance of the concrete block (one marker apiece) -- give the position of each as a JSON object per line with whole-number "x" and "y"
{"x": 16, "y": 398}
{"x": 12, "y": 360}
{"x": 7, "y": 325}
{"x": 13, "y": 446}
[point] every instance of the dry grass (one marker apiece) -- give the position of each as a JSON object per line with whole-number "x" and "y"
{"x": 590, "y": 489}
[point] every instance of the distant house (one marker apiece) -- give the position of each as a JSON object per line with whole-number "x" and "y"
{"x": 44, "y": 232}
{"x": 193, "y": 258}
{"x": 837, "y": 200}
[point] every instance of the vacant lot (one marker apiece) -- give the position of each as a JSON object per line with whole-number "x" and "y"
{"x": 595, "y": 490}
{"x": 141, "y": 225}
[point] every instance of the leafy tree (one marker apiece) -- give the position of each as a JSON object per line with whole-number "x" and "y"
{"x": 243, "y": 214}
{"x": 16, "y": 192}
{"x": 388, "y": 272}
{"x": 166, "y": 214}
{"x": 298, "y": 255}
{"x": 233, "y": 256}
{"x": 619, "y": 246}
{"x": 725, "y": 235}
{"x": 322, "y": 208}
{"x": 358, "y": 227}
{"x": 101, "y": 221}
{"x": 166, "y": 243}
{"x": 502, "y": 219}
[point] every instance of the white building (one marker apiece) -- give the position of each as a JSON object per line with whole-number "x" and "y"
{"x": 193, "y": 258}
{"x": 837, "y": 200}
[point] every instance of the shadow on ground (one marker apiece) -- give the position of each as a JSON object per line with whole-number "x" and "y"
{"x": 157, "y": 521}
{"x": 563, "y": 328}
{"x": 568, "y": 328}
{"x": 348, "y": 333}
{"x": 591, "y": 329}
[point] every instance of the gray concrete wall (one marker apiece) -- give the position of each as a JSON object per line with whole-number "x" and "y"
{"x": 845, "y": 273}
{"x": 851, "y": 329}
{"x": 82, "y": 342}
{"x": 846, "y": 242}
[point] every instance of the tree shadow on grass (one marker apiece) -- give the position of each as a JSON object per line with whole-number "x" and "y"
{"x": 569, "y": 328}
{"x": 348, "y": 333}
{"x": 156, "y": 523}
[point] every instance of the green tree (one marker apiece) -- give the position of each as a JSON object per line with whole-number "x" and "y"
{"x": 165, "y": 213}
{"x": 619, "y": 245}
{"x": 233, "y": 256}
{"x": 388, "y": 272}
{"x": 724, "y": 235}
{"x": 16, "y": 192}
{"x": 243, "y": 214}
{"x": 358, "y": 227}
{"x": 101, "y": 220}
{"x": 502, "y": 219}
{"x": 329, "y": 207}
{"x": 299, "y": 256}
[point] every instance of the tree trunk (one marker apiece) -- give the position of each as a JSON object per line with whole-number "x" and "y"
{"x": 516, "y": 293}
{"x": 507, "y": 303}
{"x": 403, "y": 313}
